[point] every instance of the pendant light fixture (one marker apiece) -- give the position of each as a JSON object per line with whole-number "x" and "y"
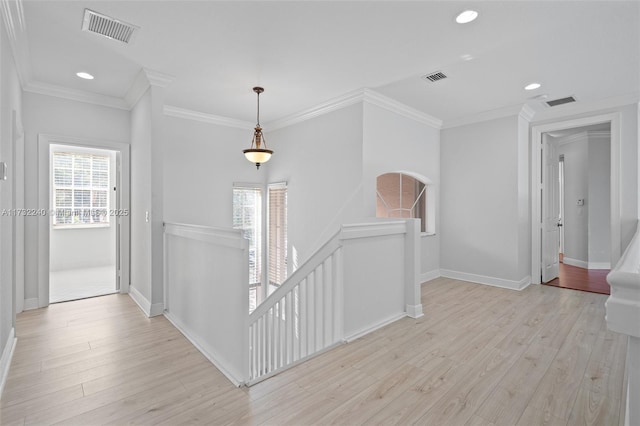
{"x": 256, "y": 154}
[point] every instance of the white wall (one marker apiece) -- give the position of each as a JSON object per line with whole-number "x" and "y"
{"x": 321, "y": 159}
{"x": 50, "y": 115}
{"x": 141, "y": 196}
{"x": 202, "y": 162}
{"x": 599, "y": 196}
{"x": 395, "y": 143}
{"x": 82, "y": 248}
{"x": 628, "y": 173}
{"x": 481, "y": 212}
{"x": 10, "y": 153}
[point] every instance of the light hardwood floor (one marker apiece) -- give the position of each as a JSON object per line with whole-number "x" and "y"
{"x": 479, "y": 356}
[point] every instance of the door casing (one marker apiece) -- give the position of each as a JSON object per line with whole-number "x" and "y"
{"x": 44, "y": 177}
{"x": 536, "y": 185}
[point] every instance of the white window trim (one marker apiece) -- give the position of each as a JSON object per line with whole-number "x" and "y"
{"x": 430, "y": 199}
{"x": 79, "y": 151}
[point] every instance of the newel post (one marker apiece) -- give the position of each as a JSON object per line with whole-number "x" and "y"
{"x": 623, "y": 316}
{"x": 413, "y": 305}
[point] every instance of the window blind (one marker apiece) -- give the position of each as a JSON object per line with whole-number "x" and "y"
{"x": 277, "y": 201}
{"x": 247, "y": 216}
{"x": 80, "y": 189}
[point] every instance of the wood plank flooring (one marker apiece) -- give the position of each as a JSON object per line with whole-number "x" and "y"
{"x": 573, "y": 277}
{"x": 479, "y": 356}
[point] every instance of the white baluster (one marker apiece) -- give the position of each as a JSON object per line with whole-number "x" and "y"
{"x": 328, "y": 299}
{"x": 289, "y": 349}
{"x": 296, "y": 323}
{"x": 303, "y": 319}
{"x": 319, "y": 334}
{"x": 337, "y": 295}
{"x": 311, "y": 325}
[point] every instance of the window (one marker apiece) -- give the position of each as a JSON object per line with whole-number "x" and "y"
{"x": 277, "y": 235}
{"x": 80, "y": 189}
{"x": 247, "y": 216}
{"x": 402, "y": 196}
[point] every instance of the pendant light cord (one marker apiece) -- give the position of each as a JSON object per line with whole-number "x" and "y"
{"x": 258, "y": 115}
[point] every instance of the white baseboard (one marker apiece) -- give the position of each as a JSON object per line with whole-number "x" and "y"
{"x": 492, "y": 281}
{"x": 428, "y": 276}
{"x": 212, "y": 357}
{"x": 575, "y": 262}
{"x": 30, "y": 304}
{"x": 144, "y": 304}
{"x": 599, "y": 265}
{"x": 414, "y": 311}
{"x": 367, "y": 330}
{"x": 5, "y": 360}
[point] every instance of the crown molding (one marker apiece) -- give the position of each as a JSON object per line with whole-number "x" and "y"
{"x": 334, "y": 104}
{"x": 382, "y": 101}
{"x": 13, "y": 17}
{"x": 351, "y": 98}
{"x": 143, "y": 80}
{"x": 527, "y": 112}
{"x": 187, "y": 114}
{"x": 550, "y": 113}
{"x": 138, "y": 87}
{"x": 75, "y": 95}
{"x": 156, "y": 78}
{"x": 567, "y": 110}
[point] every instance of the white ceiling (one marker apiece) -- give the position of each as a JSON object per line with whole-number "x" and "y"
{"x": 306, "y": 52}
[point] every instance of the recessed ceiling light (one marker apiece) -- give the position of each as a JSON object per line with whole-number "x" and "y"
{"x": 532, "y": 86}
{"x": 466, "y": 16}
{"x": 85, "y": 75}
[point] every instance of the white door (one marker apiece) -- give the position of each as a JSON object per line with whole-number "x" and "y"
{"x": 550, "y": 211}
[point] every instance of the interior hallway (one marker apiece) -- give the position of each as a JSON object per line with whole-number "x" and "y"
{"x": 480, "y": 355}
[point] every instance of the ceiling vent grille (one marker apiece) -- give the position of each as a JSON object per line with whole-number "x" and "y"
{"x": 561, "y": 101}
{"x": 434, "y": 76}
{"x": 106, "y": 26}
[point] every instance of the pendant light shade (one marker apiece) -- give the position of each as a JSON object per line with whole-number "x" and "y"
{"x": 256, "y": 154}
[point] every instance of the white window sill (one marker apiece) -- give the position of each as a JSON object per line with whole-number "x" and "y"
{"x": 87, "y": 226}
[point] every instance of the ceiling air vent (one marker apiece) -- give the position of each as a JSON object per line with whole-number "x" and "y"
{"x": 561, "y": 101}
{"x": 106, "y": 26}
{"x": 434, "y": 76}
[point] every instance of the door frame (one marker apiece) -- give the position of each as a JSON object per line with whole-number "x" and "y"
{"x": 44, "y": 183}
{"x": 536, "y": 184}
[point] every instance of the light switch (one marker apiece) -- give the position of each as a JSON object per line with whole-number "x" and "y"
{"x": 146, "y": 217}
{"x": 3, "y": 170}
{"x": 581, "y": 202}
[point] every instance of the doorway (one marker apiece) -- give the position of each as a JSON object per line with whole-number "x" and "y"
{"x": 83, "y": 235}
{"x": 82, "y": 231}
{"x": 576, "y": 229}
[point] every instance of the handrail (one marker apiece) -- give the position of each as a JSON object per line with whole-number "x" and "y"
{"x": 305, "y": 315}
{"x": 347, "y": 231}
{"x": 307, "y": 267}
{"x": 311, "y": 312}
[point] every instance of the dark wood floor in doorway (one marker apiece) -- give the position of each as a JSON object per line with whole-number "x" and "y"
{"x": 592, "y": 280}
